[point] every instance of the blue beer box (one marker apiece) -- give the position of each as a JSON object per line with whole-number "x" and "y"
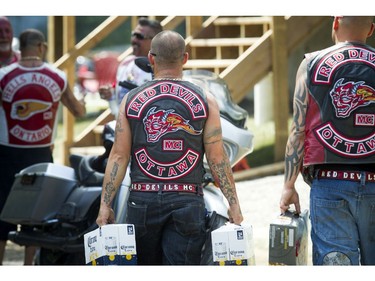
{"x": 112, "y": 244}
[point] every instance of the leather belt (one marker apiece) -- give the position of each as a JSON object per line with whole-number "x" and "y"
{"x": 344, "y": 175}
{"x": 167, "y": 187}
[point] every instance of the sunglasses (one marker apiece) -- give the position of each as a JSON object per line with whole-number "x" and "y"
{"x": 140, "y": 36}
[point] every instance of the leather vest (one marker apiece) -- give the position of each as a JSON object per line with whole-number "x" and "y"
{"x": 167, "y": 118}
{"x": 340, "y": 118}
{"x": 30, "y": 100}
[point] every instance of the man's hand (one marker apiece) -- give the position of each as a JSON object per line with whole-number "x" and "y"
{"x": 106, "y": 216}
{"x": 105, "y": 92}
{"x": 289, "y": 196}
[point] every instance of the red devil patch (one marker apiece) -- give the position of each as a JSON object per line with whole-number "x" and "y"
{"x": 347, "y": 97}
{"x": 161, "y": 122}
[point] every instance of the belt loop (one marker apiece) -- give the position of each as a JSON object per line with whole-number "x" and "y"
{"x": 199, "y": 189}
{"x": 316, "y": 173}
{"x": 363, "y": 178}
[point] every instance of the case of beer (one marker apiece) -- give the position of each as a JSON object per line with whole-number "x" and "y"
{"x": 111, "y": 244}
{"x": 288, "y": 239}
{"x": 233, "y": 245}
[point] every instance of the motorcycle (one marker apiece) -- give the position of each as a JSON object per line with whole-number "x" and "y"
{"x": 60, "y": 204}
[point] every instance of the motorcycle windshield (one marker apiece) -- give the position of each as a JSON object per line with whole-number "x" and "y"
{"x": 210, "y": 81}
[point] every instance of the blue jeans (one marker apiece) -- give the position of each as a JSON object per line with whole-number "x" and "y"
{"x": 342, "y": 215}
{"x": 169, "y": 227}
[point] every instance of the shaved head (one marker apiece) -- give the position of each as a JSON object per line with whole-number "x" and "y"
{"x": 168, "y": 47}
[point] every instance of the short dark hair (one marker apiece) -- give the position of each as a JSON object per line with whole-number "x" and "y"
{"x": 31, "y": 37}
{"x": 153, "y": 24}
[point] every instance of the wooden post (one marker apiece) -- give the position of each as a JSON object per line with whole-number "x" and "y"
{"x": 55, "y": 51}
{"x": 280, "y": 85}
{"x": 55, "y": 38}
{"x": 193, "y": 25}
{"x": 68, "y": 118}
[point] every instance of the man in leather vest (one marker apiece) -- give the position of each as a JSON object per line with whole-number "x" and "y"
{"x": 30, "y": 93}
{"x": 165, "y": 127}
{"x": 332, "y": 143}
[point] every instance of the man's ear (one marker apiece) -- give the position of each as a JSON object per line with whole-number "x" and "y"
{"x": 186, "y": 57}
{"x": 151, "y": 59}
{"x": 335, "y": 23}
{"x": 371, "y": 30}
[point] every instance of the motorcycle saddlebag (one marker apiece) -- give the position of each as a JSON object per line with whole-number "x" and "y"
{"x": 37, "y": 193}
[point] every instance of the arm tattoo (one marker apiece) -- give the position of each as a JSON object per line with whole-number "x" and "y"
{"x": 221, "y": 171}
{"x": 110, "y": 187}
{"x": 119, "y": 128}
{"x": 213, "y": 134}
{"x": 295, "y": 147}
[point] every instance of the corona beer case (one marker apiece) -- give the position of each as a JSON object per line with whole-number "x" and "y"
{"x": 288, "y": 239}
{"x": 233, "y": 245}
{"x": 37, "y": 193}
{"x": 111, "y": 244}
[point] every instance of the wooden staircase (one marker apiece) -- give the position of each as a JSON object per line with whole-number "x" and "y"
{"x": 219, "y": 45}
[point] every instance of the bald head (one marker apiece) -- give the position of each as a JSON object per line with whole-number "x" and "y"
{"x": 6, "y": 37}
{"x": 352, "y": 28}
{"x": 168, "y": 47}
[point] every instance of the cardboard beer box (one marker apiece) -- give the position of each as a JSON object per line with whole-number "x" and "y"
{"x": 288, "y": 239}
{"x": 127, "y": 247}
{"x": 111, "y": 244}
{"x": 233, "y": 245}
{"x": 93, "y": 248}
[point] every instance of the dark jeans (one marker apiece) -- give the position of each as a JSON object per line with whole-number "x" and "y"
{"x": 170, "y": 227}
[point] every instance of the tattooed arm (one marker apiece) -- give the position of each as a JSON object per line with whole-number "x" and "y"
{"x": 219, "y": 162}
{"x": 295, "y": 145}
{"x": 116, "y": 167}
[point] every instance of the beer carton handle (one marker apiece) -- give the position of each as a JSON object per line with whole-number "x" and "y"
{"x": 290, "y": 213}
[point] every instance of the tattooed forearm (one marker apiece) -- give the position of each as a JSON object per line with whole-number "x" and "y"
{"x": 220, "y": 172}
{"x": 119, "y": 128}
{"x": 114, "y": 171}
{"x": 110, "y": 187}
{"x": 293, "y": 160}
{"x": 295, "y": 146}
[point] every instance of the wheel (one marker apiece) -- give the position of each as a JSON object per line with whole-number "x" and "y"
{"x": 214, "y": 222}
{"x": 57, "y": 257}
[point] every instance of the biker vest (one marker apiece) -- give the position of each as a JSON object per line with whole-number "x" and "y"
{"x": 30, "y": 99}
{"x": 340, "y": 117}
{"x": 167, "y": 119}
